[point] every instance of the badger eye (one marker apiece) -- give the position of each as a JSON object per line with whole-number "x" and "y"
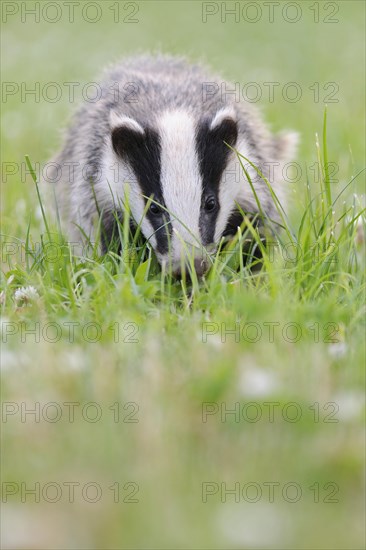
{"x": 154, "y": 209}
{"x": 210, "y": 204}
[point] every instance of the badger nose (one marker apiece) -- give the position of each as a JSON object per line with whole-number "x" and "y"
{"x": 200, "y": 267}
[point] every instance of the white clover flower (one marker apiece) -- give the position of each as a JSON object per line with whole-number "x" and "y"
{"x": 338, "y": 349}
{"x": 25, "y": 295}
{"x": 257, "y": 382}
{"x": 350, "y": 403}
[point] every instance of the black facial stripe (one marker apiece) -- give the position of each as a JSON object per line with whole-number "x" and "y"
{"x": 251, "y": 250}
{"x": 213, "y": 155}
{"x": 110, "y": 231}
{"x": 143, "y": 154}
{"x": 235, "y": 220}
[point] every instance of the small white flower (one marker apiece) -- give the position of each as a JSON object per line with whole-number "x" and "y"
{"x": 213, "y": 340}
{"x": 25, "y": 295}
{"x": 351, "y": 404}
{"x": 9, "y": 360}
{"x": 38, "y": 213}
{"x": 74, "y": 359}
{"x": 255, "y": 382}
{"x": 241, "y": 523}
{"x": 20, "y": 207}
{"x": 338, "y": 349}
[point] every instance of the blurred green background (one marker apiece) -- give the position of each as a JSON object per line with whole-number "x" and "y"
{"x": 170, "y": 451}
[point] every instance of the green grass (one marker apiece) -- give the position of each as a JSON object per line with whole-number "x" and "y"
{"x": 116, "y": 330}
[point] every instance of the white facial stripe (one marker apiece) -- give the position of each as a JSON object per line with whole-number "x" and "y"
{"x": 234, "y": 187}
{"x": 180, "y": 178}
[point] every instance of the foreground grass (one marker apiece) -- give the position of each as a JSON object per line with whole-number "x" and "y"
{"x": 166, "y": 395}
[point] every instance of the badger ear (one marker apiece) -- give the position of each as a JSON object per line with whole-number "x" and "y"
{"x": 286, "y": 145}
{"x": 224, "y": 126}
{"x": 126, "y": 133}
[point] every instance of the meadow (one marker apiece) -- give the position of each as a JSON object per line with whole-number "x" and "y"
{"x": 141, "y": 411}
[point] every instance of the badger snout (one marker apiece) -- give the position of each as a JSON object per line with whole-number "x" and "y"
{"x": 184, "y": 262}
{"x": 200, "y": 265}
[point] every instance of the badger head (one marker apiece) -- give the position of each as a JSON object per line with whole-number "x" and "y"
{"x": 185, "y": 175}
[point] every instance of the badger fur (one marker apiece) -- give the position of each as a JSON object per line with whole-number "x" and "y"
{"x": 156, "y": 136}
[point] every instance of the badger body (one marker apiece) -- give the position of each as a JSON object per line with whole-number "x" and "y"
{"x": 160, "y": 135}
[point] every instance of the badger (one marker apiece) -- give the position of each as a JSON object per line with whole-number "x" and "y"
{"x": 163, "y": 140}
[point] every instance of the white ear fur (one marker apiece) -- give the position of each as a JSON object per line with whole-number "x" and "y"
{"x": 225, "y": 112}
{"x": 116, "y": 121}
